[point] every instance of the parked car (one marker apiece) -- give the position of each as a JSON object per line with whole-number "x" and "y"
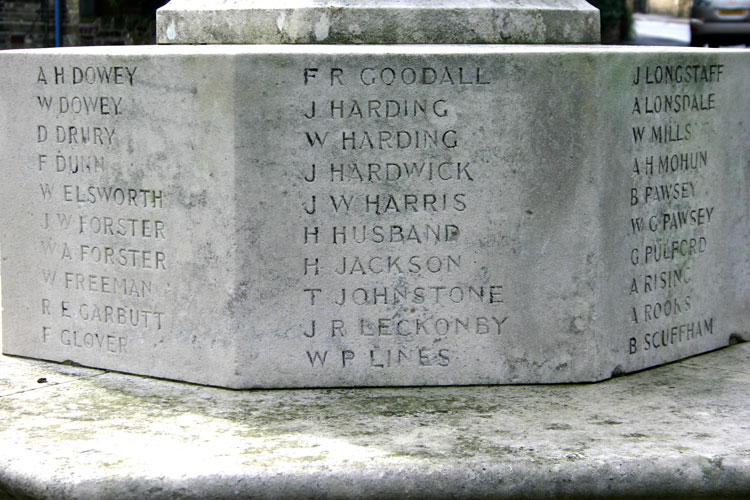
{"x": 724, "y": 22}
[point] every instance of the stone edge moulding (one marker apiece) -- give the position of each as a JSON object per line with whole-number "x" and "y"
{"x": 377, "y": 22}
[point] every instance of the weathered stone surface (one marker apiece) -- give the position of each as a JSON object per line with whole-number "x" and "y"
{"x": 675, "y": 432}
{"x": 285, "y": 217}
{"x": 377, "y": 22}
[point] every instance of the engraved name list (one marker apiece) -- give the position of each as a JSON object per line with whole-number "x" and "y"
{"x": 101, "y": 253}
{"x": 671, "y": 200}
{"x": 383, "y": 240}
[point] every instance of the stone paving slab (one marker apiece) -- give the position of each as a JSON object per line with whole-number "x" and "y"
{"x": 678, "y": 431}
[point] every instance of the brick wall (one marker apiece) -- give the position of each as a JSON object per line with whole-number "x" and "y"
{"x": 31, "y": 23}
{"x": 117, "y": 30}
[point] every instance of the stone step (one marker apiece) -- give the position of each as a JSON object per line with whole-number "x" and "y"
{"x": 674, "y": 432}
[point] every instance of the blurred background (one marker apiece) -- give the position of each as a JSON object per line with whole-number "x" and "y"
{"x": 50, "y": 23}
{"x": 67, "y": 23}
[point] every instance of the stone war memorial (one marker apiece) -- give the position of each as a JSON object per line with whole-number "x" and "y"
{"x": 441, "y": 219}
{"x": 281, "y": 197}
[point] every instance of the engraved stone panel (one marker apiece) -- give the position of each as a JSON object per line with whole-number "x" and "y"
{"x": 289, "y": 216}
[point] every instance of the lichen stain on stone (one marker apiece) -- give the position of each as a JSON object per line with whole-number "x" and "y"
{"x": 554, "y": 426}
{"x": 171, "y": 31}
{"x": 607, "y": 422}
{"x": 635, "y": 435}
{"x": 470, "y": 446}
{"x": 562, "y": 367}
{"x": 238, "y": 297}
{"x": 281, "y": 21}
{"x": 714, "y": 467}
{"x": 577, "y": 325}
{"x": 288, "y": 24}
{"x": 322, "y": 27}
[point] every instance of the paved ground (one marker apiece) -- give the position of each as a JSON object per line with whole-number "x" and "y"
{"x": 655, "y": 29}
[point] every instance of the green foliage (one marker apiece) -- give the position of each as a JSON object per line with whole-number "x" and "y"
{"x": 610, "y": 11}
{"x": 628, "y": 24}
{"x": 615, "y": 17}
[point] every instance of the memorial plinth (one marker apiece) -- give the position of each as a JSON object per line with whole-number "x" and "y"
{"x": 278, "y": 216}
{"x": 377, "y": 22}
